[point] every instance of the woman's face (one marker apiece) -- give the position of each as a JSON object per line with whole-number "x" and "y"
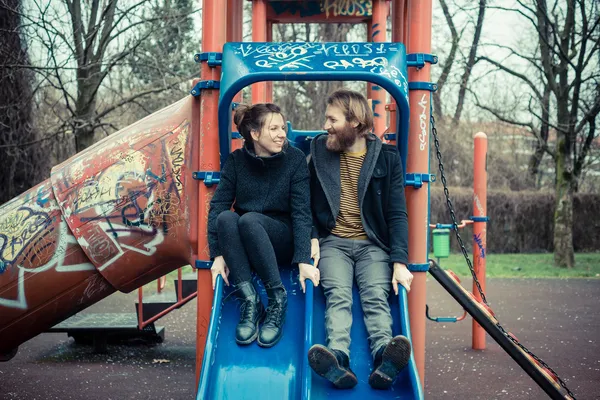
{"x": 271, "y": 138}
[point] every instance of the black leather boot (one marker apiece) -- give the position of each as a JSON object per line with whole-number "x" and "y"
{"x": 252, "y": 312}
{"x": 333, "y": 365}
{"x": 389, "y": 361}
{"x": 272, "y": 329}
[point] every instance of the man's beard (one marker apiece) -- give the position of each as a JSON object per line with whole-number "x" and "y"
{"x": 341, "y": 140}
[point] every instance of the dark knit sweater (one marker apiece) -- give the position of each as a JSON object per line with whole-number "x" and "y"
{"x": 276, "y": 186}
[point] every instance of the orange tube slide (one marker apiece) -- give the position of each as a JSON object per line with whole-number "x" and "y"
{"x": 113, "y": 217}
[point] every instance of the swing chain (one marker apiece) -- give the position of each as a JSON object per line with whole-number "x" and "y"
{"x": 466, "y": 255}
{"x": 451, "y": 209}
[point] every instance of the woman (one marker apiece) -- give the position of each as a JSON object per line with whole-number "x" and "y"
{"x": 267, "y": 182}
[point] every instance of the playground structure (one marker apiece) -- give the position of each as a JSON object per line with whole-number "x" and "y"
{"x": 134, "y": 206}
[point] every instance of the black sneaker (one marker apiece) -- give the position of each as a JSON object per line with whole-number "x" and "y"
{"x": 333, "y": 365}
{"x": 389, "y": 361}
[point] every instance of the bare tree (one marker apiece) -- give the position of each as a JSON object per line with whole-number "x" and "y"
{"x": 305, "y": 101}
{"x": 77, "y": 58}
{"x": 452, "y": 64}
{"x": 561, "y": 77}
{"x": 21, "y": 160}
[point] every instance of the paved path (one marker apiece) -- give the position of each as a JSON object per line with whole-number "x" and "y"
{"x": 557, "y": 319}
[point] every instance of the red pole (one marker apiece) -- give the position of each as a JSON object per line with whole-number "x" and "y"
{"x": 419, "y": 41}
{"x": 378, "y": 25}
{"x": 259, "y": 34}
{"x": 235, "y": 12}
{"x": 213, "y": 37}
{"x": 479, "y": 227}
{"x": 399, "y": 26}
{"x": 269, "y": 84}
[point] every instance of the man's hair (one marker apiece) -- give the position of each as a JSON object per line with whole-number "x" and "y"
{"x": 355, "y": 108}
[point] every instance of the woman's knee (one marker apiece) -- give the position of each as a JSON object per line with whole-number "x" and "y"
{"x": 249, "y": 221}
{"x": 226, "y": 220}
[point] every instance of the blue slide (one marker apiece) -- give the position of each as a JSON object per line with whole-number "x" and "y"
{"x": 250, "y": 372}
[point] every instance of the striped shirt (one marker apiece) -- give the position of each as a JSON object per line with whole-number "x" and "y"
{"x": 348, "y": 223}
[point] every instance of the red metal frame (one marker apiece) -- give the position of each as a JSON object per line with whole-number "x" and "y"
{"x": 259, "y": 34}
{"x": 377, "y": 34}
{"x": 180, "y": 302}
{"x": 414, "y": 17}
{"x": 214, "y": 34}
{"x": 479, "y": 228}
{"x": 419, "y": 41}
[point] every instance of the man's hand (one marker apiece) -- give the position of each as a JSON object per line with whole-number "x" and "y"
{"x": 307, "y": 271}
{"x": 401, "y": 276}
{"x": 315, "y": 251}
{"x": 219, "y": 268}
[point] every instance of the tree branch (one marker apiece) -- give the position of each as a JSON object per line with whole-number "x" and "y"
{"x": 513, "y": 73}
{"x": 470, "y": 63}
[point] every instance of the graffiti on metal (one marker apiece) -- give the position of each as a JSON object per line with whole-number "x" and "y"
{"x": 478, "y": 239}
{"x": 18, "y": 229}
{"x": 132, "y": 204}
{"x": 369, "y": 57}
{"x": 336, "y": 8}
{"x": 116, "y": 199}
{"x": 35, "y": 239}
{"x": 358, "y": 8}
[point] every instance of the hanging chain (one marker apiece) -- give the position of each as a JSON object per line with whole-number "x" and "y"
{"x": 451, "y": 209}
{"x": 468, "y": 260}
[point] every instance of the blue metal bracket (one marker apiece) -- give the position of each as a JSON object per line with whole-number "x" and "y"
{"x": 212, "y": 59}
{"x": 204, "y": 85}
{"x": 479, "y": 219}
{"x": 416, "y": 180}
{"x": 209, "y": 177}
{"x": 200, "y": 264}
{"x": 389, "y": 136}
{"x": 418, "y": 267}
{"x": 418, "y": 60}
{"x": 432, "y": 87}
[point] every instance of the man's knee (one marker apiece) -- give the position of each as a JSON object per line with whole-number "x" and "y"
{"x": 374, "y": 294}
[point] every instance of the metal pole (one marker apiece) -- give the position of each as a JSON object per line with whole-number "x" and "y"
{"x": 419, "y": 41}
{"x": 235, "y": 24}
{"x": 214, "y": 22}
{"x": 259, "y": 34}
{"x": 378, "y": 25}
{"x": 479, "y": 227}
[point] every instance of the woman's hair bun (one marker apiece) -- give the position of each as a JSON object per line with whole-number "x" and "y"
{"x": 240, "y": 112}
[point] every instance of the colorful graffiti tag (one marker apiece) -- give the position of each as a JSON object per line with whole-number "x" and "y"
{"x": 361, "y": 8}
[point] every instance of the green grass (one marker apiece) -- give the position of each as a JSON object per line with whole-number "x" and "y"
{"x": 587, "y": 265}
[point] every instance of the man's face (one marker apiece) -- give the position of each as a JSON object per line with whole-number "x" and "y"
{"x": 341, "y": 134}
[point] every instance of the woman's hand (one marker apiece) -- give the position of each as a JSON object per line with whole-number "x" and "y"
{"x": 401, "y": 276}
{"x": 219, "y": 268}
{"x": 315, "y": 251}
{"x": 307, "y": 271}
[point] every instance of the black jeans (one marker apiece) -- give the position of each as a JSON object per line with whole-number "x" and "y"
{"x": 254, "y": 241}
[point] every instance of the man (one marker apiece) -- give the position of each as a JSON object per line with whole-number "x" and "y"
{"x": 359, "y": 213}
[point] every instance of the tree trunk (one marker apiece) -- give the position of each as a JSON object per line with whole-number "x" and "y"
{"x": 564, "y": 254}
{"x": 85, "y": 107}
{"x": 23, "y": 162}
